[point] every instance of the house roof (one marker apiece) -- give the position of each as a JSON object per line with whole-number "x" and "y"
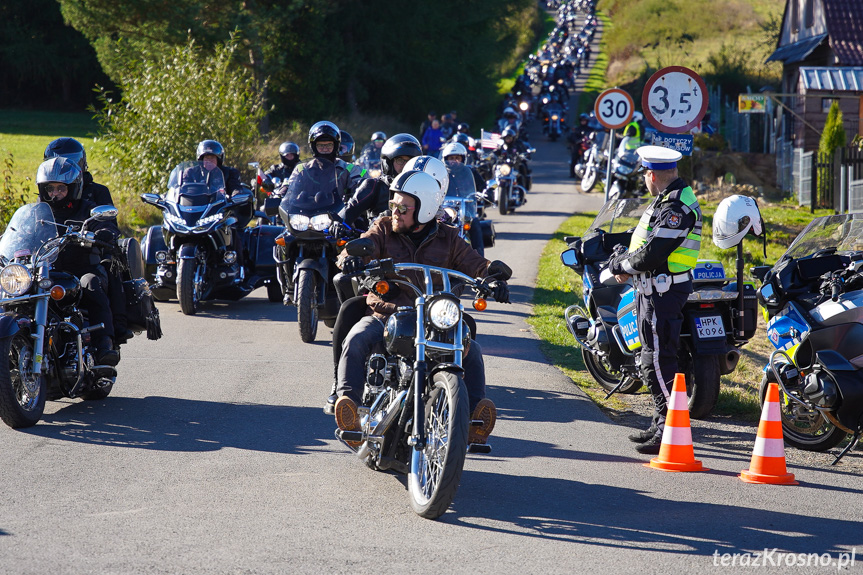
{"x": 834, "y": 79}
{"x": 844, "y": 19}
{"x": 797, "y": 51}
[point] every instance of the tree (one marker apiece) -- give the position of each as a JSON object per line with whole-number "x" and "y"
{"x": 833, "y": 136}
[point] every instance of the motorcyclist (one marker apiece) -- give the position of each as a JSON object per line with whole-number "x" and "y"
{"x": 412, "y": 234}
{"x": 455, "y": 152}
{"x": 60, "y": 184}
{"x": 372, "y": 150}
{"x": 289, "y": 152}
{"x": 574, "y": 139}
{"x": 511, "y": 146}
{"x": 99, "y": 195}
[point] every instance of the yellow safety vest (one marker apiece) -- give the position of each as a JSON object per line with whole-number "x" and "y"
{"x": 684, "y": 257}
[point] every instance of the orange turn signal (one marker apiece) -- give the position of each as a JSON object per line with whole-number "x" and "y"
{"x": 382, "y": 287}
{"x": 479, "y": 304}
{"x": 280, "y": 241}
{"x": 341, "y": 243}
{"x": 58, "y": 293}
{"x": 467, "y": 226}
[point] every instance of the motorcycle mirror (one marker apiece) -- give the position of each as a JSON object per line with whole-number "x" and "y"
{"x": 531, "y": 151}
{"x": 241, "y": 200}
{"x": 569, "y": 257}
{"x": 360, "y": 247}
{"x": 254, "y": 165}
{"x": 104, "y": 213}
{"x": 758, "y": 272}
{"x": 230, "y": 221}
{"x": 150, "y": 199}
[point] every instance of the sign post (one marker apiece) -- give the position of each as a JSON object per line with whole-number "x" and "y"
{"x": 613, "y": 109}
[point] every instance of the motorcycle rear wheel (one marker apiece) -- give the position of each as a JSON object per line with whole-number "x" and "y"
{"x": 802, "y": 428}
{"x": 22, "y": 396}
{"x": 702, "y": 382}
{"x": 436, "y": 470}
{"x": 588, "y": 181}
{"x": 605, "y": 377}
{"x": 307, "y": 305}
{"x": 186, "y": 292}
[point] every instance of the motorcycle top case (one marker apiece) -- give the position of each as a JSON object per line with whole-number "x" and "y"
{"x": 260, "y": 241}
{"x": 628, "y": 319}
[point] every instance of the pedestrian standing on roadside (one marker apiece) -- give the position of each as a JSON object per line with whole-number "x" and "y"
{"x": 663, "y": 250}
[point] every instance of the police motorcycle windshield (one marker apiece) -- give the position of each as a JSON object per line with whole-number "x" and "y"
{"x": 315, "y": 191}
{"x": 31, "y": 226}
{"x": 843, "y": 232}
{"x": 620, "y": 215}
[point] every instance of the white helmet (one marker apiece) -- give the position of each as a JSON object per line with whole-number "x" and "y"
{"x": 454, "y": 149}
{"x": 424, "y": 188}
{"x": 433, "y": 167}
{"x": 735, "y": 217}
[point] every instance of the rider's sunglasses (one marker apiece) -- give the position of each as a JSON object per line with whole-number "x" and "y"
{"x": 400, "y": 208}
{"x": 52, "y": 188}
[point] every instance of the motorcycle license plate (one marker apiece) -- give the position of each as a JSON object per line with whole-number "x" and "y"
{"x": 709, "y": 327}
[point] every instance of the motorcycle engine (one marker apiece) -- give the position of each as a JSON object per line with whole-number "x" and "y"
{"x": 597, "y": 337}
{"x": 820, "y": 389}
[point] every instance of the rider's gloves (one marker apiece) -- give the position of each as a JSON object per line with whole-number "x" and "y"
{"x": 105, "y": 236}
{"x": 500, "y": 291}
{"x": 339, "y": 230}
{"x": 352, "y": 264}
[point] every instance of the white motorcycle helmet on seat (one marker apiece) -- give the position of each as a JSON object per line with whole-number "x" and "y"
{"x": 735, "y": 217}
{"x": 422, "y": 187}
{"x": 433, "y": 167}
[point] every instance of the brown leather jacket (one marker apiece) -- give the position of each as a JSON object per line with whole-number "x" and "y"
{"x": 442, "y": 248}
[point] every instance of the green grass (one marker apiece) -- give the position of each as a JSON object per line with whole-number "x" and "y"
{"x": 558, "y": 287}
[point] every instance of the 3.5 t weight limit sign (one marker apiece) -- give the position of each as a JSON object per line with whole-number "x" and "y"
{"x": 674, "y": 100}
{"x": 614, "y": 108}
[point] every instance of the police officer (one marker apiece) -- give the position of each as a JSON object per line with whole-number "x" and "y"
{"x": 663, "y": 250}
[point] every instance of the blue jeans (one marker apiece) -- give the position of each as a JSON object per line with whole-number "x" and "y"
{"x": 367, "y": 337}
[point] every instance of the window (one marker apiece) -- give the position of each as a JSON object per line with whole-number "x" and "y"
{"x": 825, "y": 104}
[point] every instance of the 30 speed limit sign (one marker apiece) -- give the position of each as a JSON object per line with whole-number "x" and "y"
{"x": 614, "y": 108}
{"x": 674, "y": 100}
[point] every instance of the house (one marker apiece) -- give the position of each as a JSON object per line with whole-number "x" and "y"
{"x": 821, "y": 48}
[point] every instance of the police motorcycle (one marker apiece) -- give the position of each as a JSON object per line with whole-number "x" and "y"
{"x": 188, "y": 256}
{"x": 462, "y": 208}
{"x": 306, "y": 251}
{"x": 414, "y": 416}
{"x": 626, "y": 176}
{"x": 606, "y": 328}
{"x": 44, "y": 332}
{"x": 813, "y": 297}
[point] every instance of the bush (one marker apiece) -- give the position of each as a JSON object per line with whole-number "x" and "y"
{"x": 12, "y": 195}
{"x": 169, "y": 104}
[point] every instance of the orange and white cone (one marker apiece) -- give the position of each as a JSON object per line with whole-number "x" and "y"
{"x": 768, "y": 455}
{"x": 675, "y": 451}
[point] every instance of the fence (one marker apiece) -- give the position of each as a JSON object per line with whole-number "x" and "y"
{"x": 829, "y": 181}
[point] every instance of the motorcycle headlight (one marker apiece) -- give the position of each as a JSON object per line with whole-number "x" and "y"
{"x": 15, "y": 280}
{"x": 554, "y": 117}
{"x": 299, "y": 222}
{"x": 504, "y": 169}
{"x": 321, "y": 222}
{"x": 176, "y": 220}
{"x": 374, "y": 173}
{"x": 524, "y": 106}
{"x": 210, "y": 219}
{"x": 444, "y": 313}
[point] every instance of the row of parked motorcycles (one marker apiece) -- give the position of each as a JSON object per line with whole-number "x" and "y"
{"x": 812, "y": 300}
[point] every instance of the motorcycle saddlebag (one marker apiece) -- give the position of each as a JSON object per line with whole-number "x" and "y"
{"x": 133, "y": 258}
{"x": 141, "y": 311}
{"x": 487, "y": 228}
{"x": 259, "y": 242}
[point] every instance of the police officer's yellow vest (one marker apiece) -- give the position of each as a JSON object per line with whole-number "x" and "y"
{"x": 686, "y": 255}
{"x": 634, "y": 141}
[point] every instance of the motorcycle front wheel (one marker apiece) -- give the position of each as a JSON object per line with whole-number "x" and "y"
{"x": 503, "y": 200}
{"x": 604, "y": 375}
{"x": 307, "y": 305}
{"x": 187, "y": 291}
{"x": 803, "y": 428}
{"x": 436, "y": 470}
{"x": 22, "y": 395}
{"x": 588, "y": 181}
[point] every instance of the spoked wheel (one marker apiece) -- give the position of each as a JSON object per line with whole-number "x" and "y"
{"x": 605, "y": 375}
{"x": 22, "y": 395}
{"x": 804, "y": 428}
{"x": 436, "y": 470}
{"x": 588, "y": 181}
{"x": 189, "y": 285}
{"x": 307, "y": 305}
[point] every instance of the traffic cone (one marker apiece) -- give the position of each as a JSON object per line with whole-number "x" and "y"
{"x": 768, "y": 455}
{"x": 675, "y": 452}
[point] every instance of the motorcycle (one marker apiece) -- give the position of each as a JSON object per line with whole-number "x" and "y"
{"x": 461, "y": 209}
{"x": 813, "y": 297}
{"x": 188, "y": 254}
{"x": 44, "y": 332}
{"x": 606, "y": 328}
{"x": 268, "y": 203}
{"x": 414, "y": 414}
{"x": 306, "y": 252}
{"x": 552, "y": 121}
{"x": 626, "y": 178}
{"x": 594, "y": 161}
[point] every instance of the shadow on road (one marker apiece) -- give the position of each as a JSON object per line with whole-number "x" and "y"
{"x": 171, "y": 424}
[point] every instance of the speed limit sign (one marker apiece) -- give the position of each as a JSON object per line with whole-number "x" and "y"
{"x": 614, "y": 108}
{"x": 674, "y": 100}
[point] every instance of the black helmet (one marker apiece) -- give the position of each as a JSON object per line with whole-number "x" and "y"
{"x": 325, "y": 131}
{"x": 583, "y": 117}
{"x": 211, "y": 147}
{"x": 508, "y": 131}
{"x": 398, "y": 145}
{"x": 63, "y": 171}
{"x": 463, "y": 128}
{"x": 289, "y": 148}
{"x": 379, "y": 136}
{"x": 462, "y": 139}
{"x": 346, "y": 147}
{"x": 67, "y": 148}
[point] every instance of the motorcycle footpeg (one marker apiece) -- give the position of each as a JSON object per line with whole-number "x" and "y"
{"x": 479, "y": 448}
{"x": 349, "y": 435}
{"x": 103, "y": 371}
{"x": 476, "y": 422}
